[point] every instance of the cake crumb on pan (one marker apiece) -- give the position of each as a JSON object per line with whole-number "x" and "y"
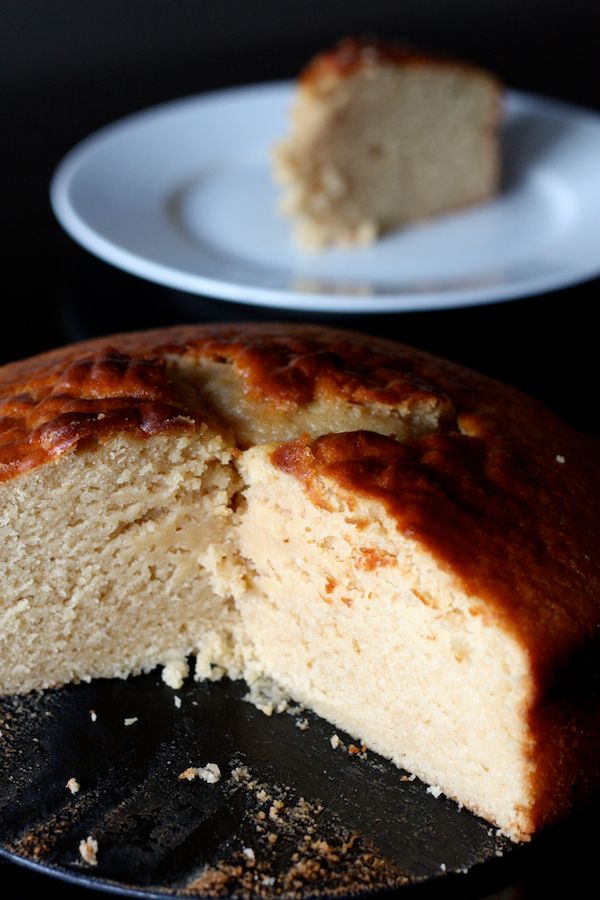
{"x": 210, "y": 773}
{"x": 88, "y": 850}
{"x": 175, "y": 672}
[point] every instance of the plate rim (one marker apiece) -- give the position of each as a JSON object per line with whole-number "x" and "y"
{"x": 233, "y": 291}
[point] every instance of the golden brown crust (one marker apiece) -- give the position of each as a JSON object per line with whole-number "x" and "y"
{"x": 351, "y": 54}
{"x": 96, "y": 388}
{"x": 53, "y": 404}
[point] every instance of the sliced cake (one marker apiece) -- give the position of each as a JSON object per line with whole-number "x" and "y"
{"x": 403, "y": 546}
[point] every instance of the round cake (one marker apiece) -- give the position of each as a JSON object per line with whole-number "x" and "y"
{"x": 402, "y": 545}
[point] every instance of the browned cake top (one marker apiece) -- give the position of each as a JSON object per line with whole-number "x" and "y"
{"x": 502, "y": 492}
{"x": 353, "y": 53}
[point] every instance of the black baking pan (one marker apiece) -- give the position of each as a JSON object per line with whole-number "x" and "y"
{"x": 290, "y": 816}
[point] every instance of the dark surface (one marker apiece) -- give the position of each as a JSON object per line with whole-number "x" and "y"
{"x": 157, "y": 832}
{"x": 68, "y": 68}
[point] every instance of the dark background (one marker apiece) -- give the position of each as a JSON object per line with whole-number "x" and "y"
{"x": 70, "y": 66}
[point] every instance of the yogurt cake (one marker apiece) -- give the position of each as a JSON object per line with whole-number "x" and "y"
{"x": 402, "y": 545}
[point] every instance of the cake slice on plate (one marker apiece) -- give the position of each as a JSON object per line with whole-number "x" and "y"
{"x": 382, "y": 136}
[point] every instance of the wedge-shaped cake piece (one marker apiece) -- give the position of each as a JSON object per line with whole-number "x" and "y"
{"x": 382, "y": 136}
{"x": 406, "y": 547}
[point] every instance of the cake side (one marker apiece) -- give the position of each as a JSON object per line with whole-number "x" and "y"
{"x": 360, "y": 623}
{"x": 382, "y": 136}
{"x": 557, "y": 714}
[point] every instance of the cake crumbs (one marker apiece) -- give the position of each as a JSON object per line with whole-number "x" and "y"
{"x": 73, "y": 785}
{"x": 249, "y": 855}
{"x": 276, "y": 808}
{"x": 560, "y": 459}
{"x": 302, "y": 724}
{"x": 175, "y": 672}
{"x": 361, "y": 751}
{"x": 315, "y": 851}
{"x": 267, "y": 696}
{"x": 177, "y": 701}
{"x": 443, "y": 867}
{"x": 241, "y": 775}
{"x": 93, "y": 715}
{"x": 131, "y": 720}
{"x": 210, "y": 773}
{"x": 88, "y": 850}
{"x": 435, "y": 790}
{"x": 334, "y": 741}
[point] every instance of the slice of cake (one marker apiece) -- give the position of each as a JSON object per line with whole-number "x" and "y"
{"x": 406, "y": 547}
{"x": 383, "y": 136}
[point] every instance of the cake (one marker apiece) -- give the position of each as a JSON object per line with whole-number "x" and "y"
{"x": 382, "y": 136}
{"x": 399, "y": 544}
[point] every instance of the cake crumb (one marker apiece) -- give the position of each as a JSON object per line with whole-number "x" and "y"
{"x": 267, "y": 696}
{"x": 443, "y": 867}
{"x": 249, "y": 854}
{"x": 302, "y": 724}
{"x": 560, "y": 459}
{"x": 88, "y": 850}
{"x": 73, "y": 785}
{"x": 334, "y": 741}
{"x": 93, "y": 715}
{"x": 435, "y": 790}
{"x": 210, "y": 773}
{"x": 177, "y": 701}
{"x": 175, "y": 672}
{"x": 276, "y": 808}
{"x": 131, "y": 721}
{"x": 361, "y": 751}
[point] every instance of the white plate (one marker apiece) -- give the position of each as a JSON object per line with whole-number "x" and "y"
{"x": 182, "y": 195}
